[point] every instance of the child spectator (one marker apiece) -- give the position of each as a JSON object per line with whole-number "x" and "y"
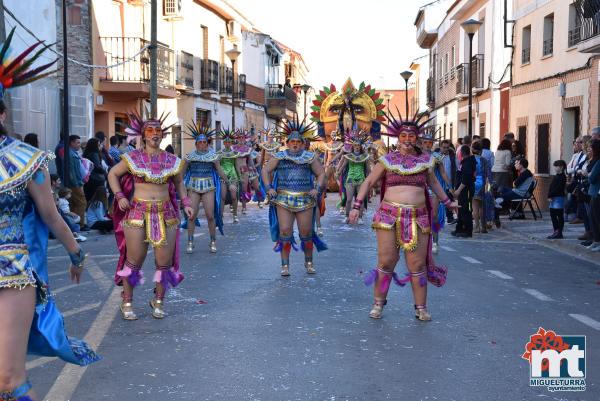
{"x": 96, "y": 213}
{"x": 70, "y": 218}
{"x": 556, "y": 195}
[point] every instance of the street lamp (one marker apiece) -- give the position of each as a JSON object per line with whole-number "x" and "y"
{"x": 305, "y": 89}
{"x": 406, "y": 76}
{"x": 470, "y": 27}
{"x": 233, "y": 54}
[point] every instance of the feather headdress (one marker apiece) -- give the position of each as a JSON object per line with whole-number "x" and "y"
{"x": 226, "y": 134}
{"x": 137, "y": 125}
{"x": 200, "y": 132}
{"x": 294, "y": 129}
{"x": 417, "y": 125}
{"x": 15, "y": 72}
{"x": 358, "y": 137}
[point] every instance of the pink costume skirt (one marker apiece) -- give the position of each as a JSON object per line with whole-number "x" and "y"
{"x": 154, "y": 216}
{"x": 405, "y": 220}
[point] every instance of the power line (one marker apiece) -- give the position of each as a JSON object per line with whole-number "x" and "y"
{"x": 93, "y": 66}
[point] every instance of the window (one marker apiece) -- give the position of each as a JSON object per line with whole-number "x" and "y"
{"x": 526, "y": 45}
{"x": 446, "y": 64}
{"x": 451, "y": 130}
{"x": 543, "y": 149}
{"x": 522, "y": 137}
{"x": 574, "y": 27}
{"x": 453, "y": 59}
{"x": 222, "y": 54}
{"x": 203, "y": 117}
{"x": 204, "y": 42}
{"x": 218, "y": 129}
{"x": 444, "y": 130}
{"x": 548, "y": 44}
{"x": 481, "y": 38}
{"x": 482, "y": 130}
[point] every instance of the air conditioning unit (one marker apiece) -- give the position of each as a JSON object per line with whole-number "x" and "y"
{"x": 172, "y": 9}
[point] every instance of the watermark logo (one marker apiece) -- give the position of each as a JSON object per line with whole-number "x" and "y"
{"x": 556, "y": 362}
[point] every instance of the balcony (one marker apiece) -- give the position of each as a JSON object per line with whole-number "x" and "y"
{"x": 588, "y": 18}
{"x": 548, "y": 47}
{"x": 526, "y": 55}
{"x": 462, "y": 72}
{"x": 133, "y": 77}
{"x": 225, "y": 80}
{"x": 241, "y": 86}
{"x": 281, "y": 101}
{"x": 210, "y": 76}
{"x": 185, "y": 71}
{"x": 574, "y": 36}
{"x": 426, "y": 36}
{"x": 431, "y": 92}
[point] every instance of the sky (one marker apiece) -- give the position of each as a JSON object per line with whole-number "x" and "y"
{"x": 367, "y": 40}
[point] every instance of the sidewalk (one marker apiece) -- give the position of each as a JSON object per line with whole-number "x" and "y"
{"x": 538, "y": 230}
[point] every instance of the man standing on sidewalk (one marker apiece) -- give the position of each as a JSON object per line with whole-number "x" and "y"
{"x": 449, "y": 163}
{"x": 577, "y": 162}
{"x": 77, "y": 203}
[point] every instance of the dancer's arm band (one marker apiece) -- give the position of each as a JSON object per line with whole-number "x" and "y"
{"x": 447, "y": 202}
{"x": 120, "y": 195}
{"x": 77, "y": 258}
{"x": 186, "y": 202}
{"x": 357, "y": 204}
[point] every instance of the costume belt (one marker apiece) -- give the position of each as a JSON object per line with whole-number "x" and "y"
{"x": 294, "y": 201}
{"x": 405, "y": 220}
{"x": 155, "y": 215}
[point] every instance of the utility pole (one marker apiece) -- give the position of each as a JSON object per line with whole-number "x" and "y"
{"x": 8, "y": 121}
{"x": 65, "y": 116}
{"x": 153, "y": 59}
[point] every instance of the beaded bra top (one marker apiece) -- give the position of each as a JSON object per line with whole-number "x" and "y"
{"x": 360, "y": 158}
{"x": 153, "y": 169}
{"x": 19, "y": 164}
{"x": 304, "y": 157}
{"x": 210, "y": 156}
{"x": 408, "y": 170}
{"x": 242, "y": 150}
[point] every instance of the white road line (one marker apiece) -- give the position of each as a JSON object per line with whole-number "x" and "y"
{"x": 50, "y": 248}
{"x": 537, "y": 294}
{"x": 471, "y": 260}
{"x": 447, "y": 248}
{"x": 39, "y": 362}
{"x": 98, "y": 275}
{"x": 71, "y": 375}
{"x": 84, "y": 308}
{"x": 68, "y": 287}
{"x": 498, "y": 273}
{"x": 588, "y": 321}
{"x": 60, "y": 273}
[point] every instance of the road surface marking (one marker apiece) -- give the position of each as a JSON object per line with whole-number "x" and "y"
{"x": 39, "y": 362}
{"x": 60, "y": 273}
{"x": 98, "y": 275}
{"x": 68, "y": 287}
{"x": 84, "y": 308}
{"x": 50, "y": 248}
{"x": 588, "y": 321}
{"x": 447, "y": 248}
{"x": 71, "y": 375}
{"x": 498, "y": 273}
{"x": 537, "y": 294}
{"x": 471, "y": 260}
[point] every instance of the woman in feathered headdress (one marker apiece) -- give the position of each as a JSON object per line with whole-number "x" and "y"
{"x": 290, "y": 177}
{"x": 249, "y": 173}
{"x": 403, "y": 220}
{"x": 202, "y": 178}
{"x": 145, "y": 183}
{"x": 31, "y": 321}
{"x": 355, "y": 167}
{"x": 232, "y": 165}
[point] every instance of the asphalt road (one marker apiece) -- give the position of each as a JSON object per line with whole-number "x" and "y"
{"x": 238, "y": 331}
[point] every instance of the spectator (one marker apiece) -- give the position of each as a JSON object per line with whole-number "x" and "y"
{"x": 582, "y": 193}
{"x": 449, "y": 163}
{"x": 97, "y": 178}
{"x": 486, "y": 153}
{"x": 170, "y": 149}
{"x": 595, "y": 134}
{"x": 509, "y": 136}
{"x": 483, "y": 176}
{"x": 59, "y": 151}
{"x": 501, "y": 169}
{"x": 475, "y": 138}
{"x": 72, "y": 219}
{"x": 517, "y": 152}
{"x": 594, "y": 193}
{"x": 556, "y": 196}
{"x": 77, "y": 201}
{"x": 32, "y": 139}
{"x": 576, "y": 166}
{"x": 96, "y": 213}
{"x": 106, "y": 158}
{"x": 114, "y": 151}
{"x": 464, "y": 193}
{"x": 520, "y": 189}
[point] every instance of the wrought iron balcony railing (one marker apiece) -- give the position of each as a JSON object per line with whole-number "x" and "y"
{"x": 574, "y": 36}
{"x": 280, "y": 92}
{"x": 431, "y": 91}
{"x": 526, "y": 55}
{"x": 117, "y": 49}
{"x": 185, "y": 69}
{"x": 225, "y": 80}
{"x": 210, "y": 75}
{"x": 588, "y": 18}
{"x": 241, "y": 86}
{"x": 477, "y": 77}
{"x": 548, "y": 47}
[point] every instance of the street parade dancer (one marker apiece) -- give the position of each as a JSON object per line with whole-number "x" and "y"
{"x": 403, "y": 220}
{"x": 30, "y": 322}
{"x": 146, "y": 183}
{"x": 202, "y": 178}
{"x": 231, "y": 165}
{"x": 244, "y": 151}
{"x": 293, "y": 195}
{"x": 320, "y": 149}
{"x": 438, "y": 210}
{"x": 254, "y": 169}
{"x": 355, "y": 166}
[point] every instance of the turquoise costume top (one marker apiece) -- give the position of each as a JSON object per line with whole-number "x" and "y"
{"x": 23, "y": 247}
{"x": 294, "y": 171}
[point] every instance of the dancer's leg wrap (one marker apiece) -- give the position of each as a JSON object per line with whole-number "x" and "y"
{"x": 132, "y": 273}
{"x": 384, "y": 279}
{"x": 17, "y": 394}
{"x": 421, "y": 276}
{"x": 285, "y": 243}
{"x": 307, "y": 246}
{"x": 167, "y": 277}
